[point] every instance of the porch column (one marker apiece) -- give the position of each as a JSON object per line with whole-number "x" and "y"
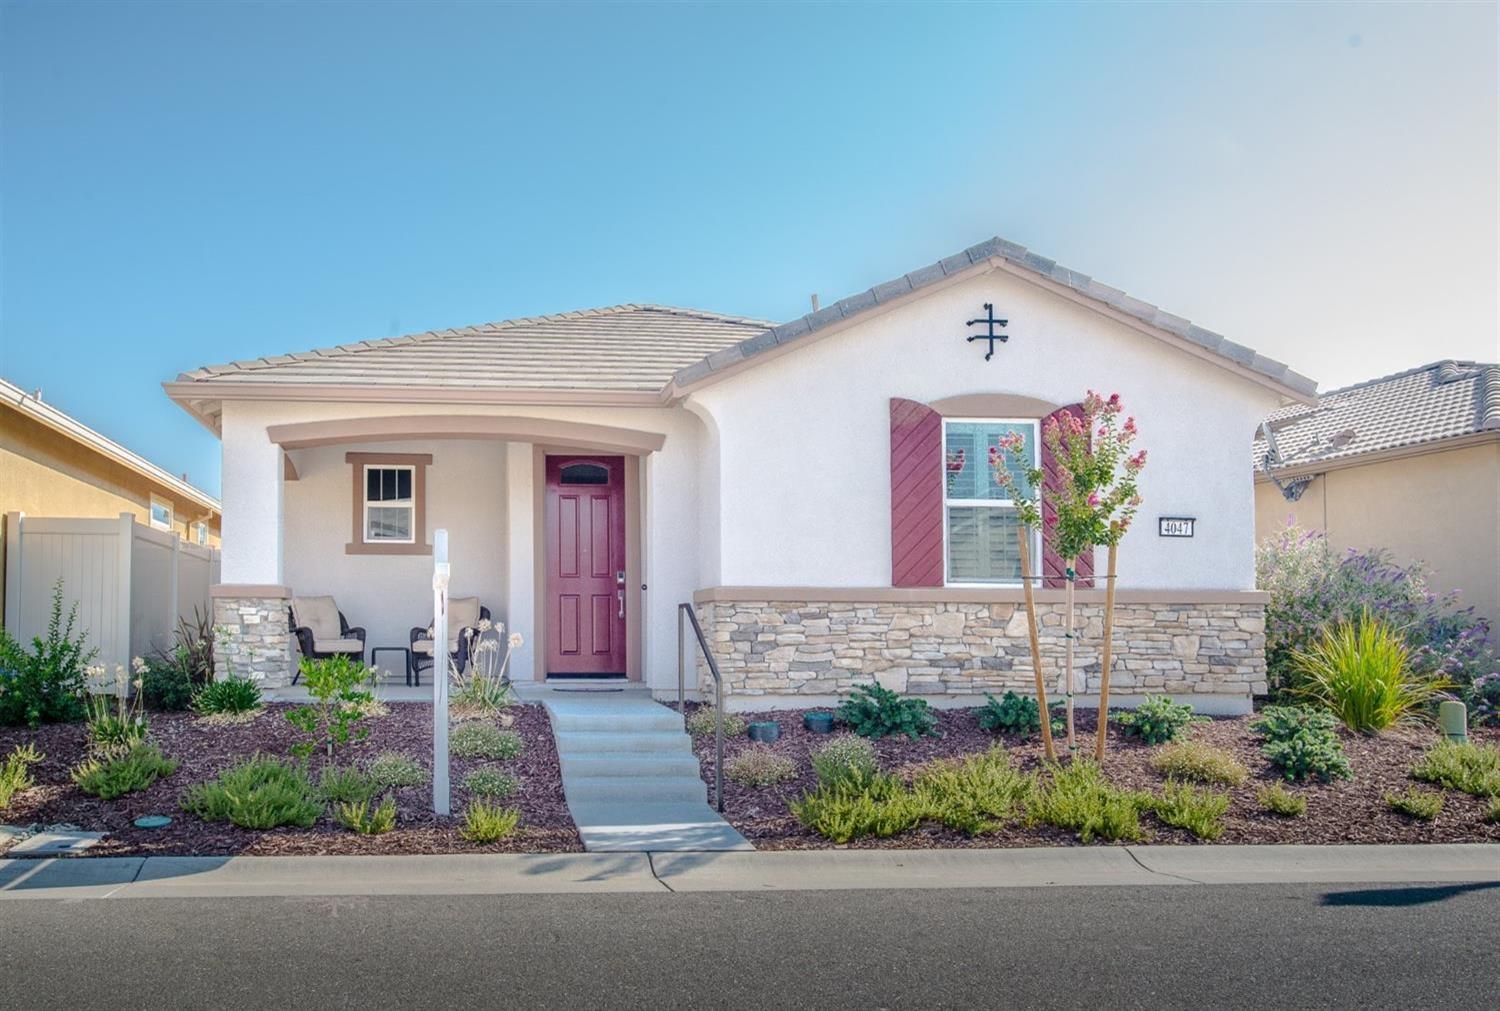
{"x": 520, "y": 556}
{"x": 253, "y": 637}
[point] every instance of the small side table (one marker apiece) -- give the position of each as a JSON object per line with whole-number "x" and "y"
{"x": 405, "y": 658}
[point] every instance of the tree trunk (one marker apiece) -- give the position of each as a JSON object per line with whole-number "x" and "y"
{"x": 1104, "y": 664}
{"x": 1036, "y": 649}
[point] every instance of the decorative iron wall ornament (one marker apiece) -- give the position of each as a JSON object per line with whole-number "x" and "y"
{"x": 991, "y": 322}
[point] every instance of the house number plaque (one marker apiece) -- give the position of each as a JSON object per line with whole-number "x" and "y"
{"x": 1175, "y": 526}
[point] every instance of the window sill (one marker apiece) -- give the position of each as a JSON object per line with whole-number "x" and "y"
{"x": 361, "y": 548}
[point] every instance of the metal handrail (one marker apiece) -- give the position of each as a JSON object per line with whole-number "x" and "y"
{"x": 713, "y": 668}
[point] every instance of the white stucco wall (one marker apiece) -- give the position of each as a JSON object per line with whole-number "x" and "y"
{"x": 804, "y": 465}
{"x": 480, "y": 490}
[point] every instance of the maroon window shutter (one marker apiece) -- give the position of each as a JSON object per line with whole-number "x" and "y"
{"x": 1054, "y": 566}
{"x": 916, "y": 494}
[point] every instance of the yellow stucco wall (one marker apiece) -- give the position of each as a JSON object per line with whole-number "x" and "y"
{"x": 44, "y": 473}
{"x": 1441, "y": 507}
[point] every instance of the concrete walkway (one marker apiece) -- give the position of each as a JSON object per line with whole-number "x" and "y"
{"x": 630, "y": 776}
{"x": 811, "y": 870}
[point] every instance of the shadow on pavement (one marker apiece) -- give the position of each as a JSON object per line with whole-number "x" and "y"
{"x": 1418, "y": 895}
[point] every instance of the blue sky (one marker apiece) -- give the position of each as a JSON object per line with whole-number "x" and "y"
{"x": 192, "y": 183}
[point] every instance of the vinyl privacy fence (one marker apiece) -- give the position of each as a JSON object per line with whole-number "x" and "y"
{"x": 131, "y": 582}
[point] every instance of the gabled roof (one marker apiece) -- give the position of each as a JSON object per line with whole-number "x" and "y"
{"x": 999, "y": 252}
{"x": 651, "y": 354}
{"x": 12, "y": 396}
{"x": 1439, "y": 401}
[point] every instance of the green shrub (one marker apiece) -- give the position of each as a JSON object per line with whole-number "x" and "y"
{"x": 339, "y": 707}
{"x": 1202, "y": 763}
{"x": 1313, "y": 587}
{"x": 231, "y": 696}
{"x": 358, "y": 816}
{"x": 259, "y": 793}
{"x": 1362, "y": 673}
{"x": 880, "y": 807}
{"x": 1423, "y": 805}
{"x": 759, "y": 766}
{"x": 1195, "y": 808}
{"x": 845, "y": 759}
{"x": 1157, "y": 720}
{"x": 975, "y": 794}
{"x": 876, "y": 711}
{"x": 1277, "y": 799}
{"x": 485, "y": 822}
{"x": 1013, "y": 714}
{"x": 46, "y": 683}
{"x": 1470, "y": 767}
{"x": 700, "y": 723}
{"x": 1492, "y": 811}
{"x": 491, "y": 783}
{"x": 393, "y": 770}
{"x": 345, "y": 785}
{"x": 115, "y": 723}
{"x": 484, "y": 740}
{"x": 1302, "y": 742}
{"x": 123, "y": 772}
{"x": 15, "y": 774}
{"x": 1077, "y": 797}
{"x": 167, "y": 683}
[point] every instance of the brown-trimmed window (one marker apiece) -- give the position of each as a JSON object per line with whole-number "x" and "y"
{"x": 390, "y": 509}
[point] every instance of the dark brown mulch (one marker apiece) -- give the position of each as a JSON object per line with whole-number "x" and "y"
{"x": 206, "y": 750}
{"x": 1346, "y": 811}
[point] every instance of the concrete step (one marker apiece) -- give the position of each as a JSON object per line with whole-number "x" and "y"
{"x": 587, "y": 742}
{"x": 646, "y": 718}
{"x": 657, "y": 827}
{"x": 634, "y": 789}
{"x": 588, "y": 764}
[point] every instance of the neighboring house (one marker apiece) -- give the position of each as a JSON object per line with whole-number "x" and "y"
{"x": 54, "y": 466}
{"x": 817, "y": 489}
{"x": 1408, "y": 462}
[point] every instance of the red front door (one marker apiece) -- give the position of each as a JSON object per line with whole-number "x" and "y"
{"x": 585, "y": 525}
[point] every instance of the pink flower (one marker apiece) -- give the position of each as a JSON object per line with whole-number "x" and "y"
{"x": 1135, "y": 500}
{"x": 1093, "y": 500}
{"x": 1138, "y": 461}
{"x": 1114, "y": 401}
{"x": 1129, "y": 425}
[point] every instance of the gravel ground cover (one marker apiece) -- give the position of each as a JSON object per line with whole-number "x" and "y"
{"x": 205, "y": 750}
{"x": 1345, "y": 811}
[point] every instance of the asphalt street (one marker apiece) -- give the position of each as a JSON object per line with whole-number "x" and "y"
{"x": 1103, "y": 947}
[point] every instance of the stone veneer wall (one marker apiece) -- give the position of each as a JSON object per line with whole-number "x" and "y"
{"x": 808, "y": 647}
{"x": 253, "y": 640}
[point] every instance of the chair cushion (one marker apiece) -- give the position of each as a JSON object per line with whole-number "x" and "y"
{"x": 463, "y": 612}
{"x": 320, "y": 614}
{"x": 424, "y": 646}
{"x": 337, "y": 645}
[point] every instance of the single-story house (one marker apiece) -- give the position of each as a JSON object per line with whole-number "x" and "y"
{"x": 52, "y": 465}
{"x": 817, "y": 489}
{"x": 1408, "y": 462}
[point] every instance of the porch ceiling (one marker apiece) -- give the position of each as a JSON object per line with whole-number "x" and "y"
{"x": 407, "y": 427}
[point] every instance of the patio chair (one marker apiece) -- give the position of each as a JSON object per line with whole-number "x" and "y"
{"x": 322, "y": 631}
{"x": 464, "y": 616}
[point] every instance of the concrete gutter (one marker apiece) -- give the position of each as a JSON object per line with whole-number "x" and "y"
{"x": 807, "y": 870}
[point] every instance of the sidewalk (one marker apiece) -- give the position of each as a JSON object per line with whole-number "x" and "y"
{"x": 810, "y": 870}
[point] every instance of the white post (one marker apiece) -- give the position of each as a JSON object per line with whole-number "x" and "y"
{"x": 441, "y": 793}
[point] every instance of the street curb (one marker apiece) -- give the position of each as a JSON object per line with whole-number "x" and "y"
{"x": 803, "y": 870}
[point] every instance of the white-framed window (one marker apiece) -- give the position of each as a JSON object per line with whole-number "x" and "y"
{"x": 161, "y": 513}
{"x": 199, "y": 532}
{"x": 390, "y": 504}
{"x": 979, "y": 517}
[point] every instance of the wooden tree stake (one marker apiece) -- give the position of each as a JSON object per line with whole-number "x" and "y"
{"x": 1036, "y": 648}
{"x": 1068, "y": 663}
{"x": 1109, "y": 633}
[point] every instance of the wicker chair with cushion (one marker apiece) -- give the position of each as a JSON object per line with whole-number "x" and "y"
{"x": 464, "y": 616}
{"x": 322, "y": 632}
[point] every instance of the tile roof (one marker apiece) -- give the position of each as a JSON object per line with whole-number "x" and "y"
{"x": 622, "y": 347}
{"x": 1442, "y": 400}
{"x": 1018, "y": 255}
{"x": 14, "y": 397}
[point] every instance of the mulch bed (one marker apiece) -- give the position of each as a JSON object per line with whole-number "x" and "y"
{"x": 205, "y": 750}
{"x": 1346, "y": 811}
